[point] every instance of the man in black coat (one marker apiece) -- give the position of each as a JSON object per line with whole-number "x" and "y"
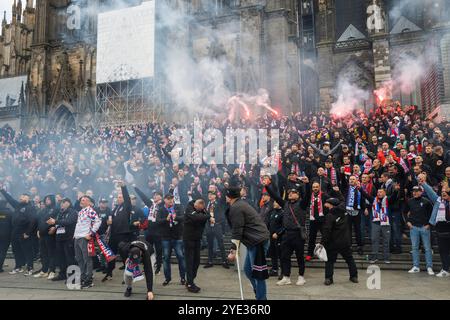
{"x": 317, "y": 213}
{"x": 274, "y": 222}
{"x": 65, "y": 223}
{"x": 215, "y": 229}
{"x": 170, "y": 219}
{"x": 46, "y": 235}
{"x": 23, "y": 224}
{"x": 137, "y": 219}
{"x": 195, "y": 218}
{"x": 152, "y": 234}
{"x": 120, "y": 221}
{"x": 336, "y": 239}
{"x": 5, "y": 231}
{"x": 294, "y": 231}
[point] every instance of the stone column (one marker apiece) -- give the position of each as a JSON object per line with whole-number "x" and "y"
{"x": 377, "y": 28}
{"x": 325, "y": 26}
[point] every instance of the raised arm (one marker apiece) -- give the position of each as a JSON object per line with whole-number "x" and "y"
{"x": 430, "y": 192}
{"x": 126, "y": 198}
{"x": 332, "y": 151}
{"x": 13, "y": 202}
{"x": 147, "y": 201}
{"x": 275, "y": 195}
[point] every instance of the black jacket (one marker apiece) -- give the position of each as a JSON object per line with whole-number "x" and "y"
{"x": 136, "y": 215}
{"x": 420, "y": 210}
{"x": 219, "y": 215}
{"x": 246, "y": 224}
{"x": 66, "y": 222}
{"x": 153, "y": 228}
{"x": 168, "y": 232}
{"x": 295, "y": 209}
{"x": 45, "y": 214}
{"x": 146, "y": 252}
{"x": 336, "y": 230}
{"x": 104, "y": 215}
{"x": 121, "y": 215}
{"x": 194, "y": 223}
{"x": 5, "y": 224}
{"x": 274, "y": 221}
{"x": 24, "y": 217}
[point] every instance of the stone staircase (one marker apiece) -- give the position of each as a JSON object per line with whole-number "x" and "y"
{"x": 401, "y": 261}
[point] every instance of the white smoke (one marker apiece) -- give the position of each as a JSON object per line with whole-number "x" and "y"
{"x": 349, "y": 98}
{"x": 201, "y": 78}
{"x": 435, "y": 11}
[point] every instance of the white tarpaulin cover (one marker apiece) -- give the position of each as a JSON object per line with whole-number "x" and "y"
{"x": 126, "y": 43}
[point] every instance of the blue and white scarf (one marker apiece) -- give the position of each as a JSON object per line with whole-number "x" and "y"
{"x": 352, "y": 191}
{"x": 132, "y": 270}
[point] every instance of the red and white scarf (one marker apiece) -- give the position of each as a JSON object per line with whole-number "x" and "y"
{"x": 404, "y": 165}
{"x": 319, "y": 206}
{"x": 380, "y": 214}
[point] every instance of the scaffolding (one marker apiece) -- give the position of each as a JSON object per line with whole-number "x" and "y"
{"x": 128, "y": 102}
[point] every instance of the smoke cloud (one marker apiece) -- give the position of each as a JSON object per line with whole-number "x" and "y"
{"x": 349, "y": 97}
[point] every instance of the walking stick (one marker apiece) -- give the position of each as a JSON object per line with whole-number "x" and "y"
{"x": 236, "y": 242}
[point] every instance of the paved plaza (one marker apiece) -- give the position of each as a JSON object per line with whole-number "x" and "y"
{"x": 218, "y": 283}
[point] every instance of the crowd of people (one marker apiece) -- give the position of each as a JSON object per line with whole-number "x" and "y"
{"x": 381, "y": 175}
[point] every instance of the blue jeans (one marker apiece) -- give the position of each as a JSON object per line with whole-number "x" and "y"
{"x": 258, "y": 285}
{"x": 176, "y": 245}
{"x": 416, "y": 234}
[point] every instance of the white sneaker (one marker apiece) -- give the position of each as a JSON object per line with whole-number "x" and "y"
{"x": 430, "y": 271}
{"x": 301, "y": 281}
{"x": 41, "y": 275}
{"x": 414, "y": 270}
{"x": 16, "y": 271}
{"x": 284, "y": 281}
{"x": 28, "y": 273}
{"x": 443, "y": 274}
{"x": 51, "y": 276}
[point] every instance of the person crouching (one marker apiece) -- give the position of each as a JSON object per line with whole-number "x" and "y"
{"x": 137, "y": 252}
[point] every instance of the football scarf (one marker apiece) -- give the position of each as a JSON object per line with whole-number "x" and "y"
{"x": 380, "y": 212}
{"x": 317, "y": 198}
{"x": 132, "y": 270}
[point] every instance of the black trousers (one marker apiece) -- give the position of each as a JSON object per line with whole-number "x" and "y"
{"x": 47, "y": 247}
{"x": 35, "y": 246}
{"x": 4, "y": 245}
{"x": 65, "y": 254}
{"x": 192, "y": 258}
{"x": 444, "y": 252}
{"x": 346, "y": 253}
{"x": 155, "y": 241}
{"x": 215, "y": 233}
{"x": 275, "y": 253}
{"x": 114, "y": 245}
{"x": 355, "y": 221}
{"x": 292, "y": 242}
{"x": 23, "y": 252}
{"x": 314, "y": 227}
